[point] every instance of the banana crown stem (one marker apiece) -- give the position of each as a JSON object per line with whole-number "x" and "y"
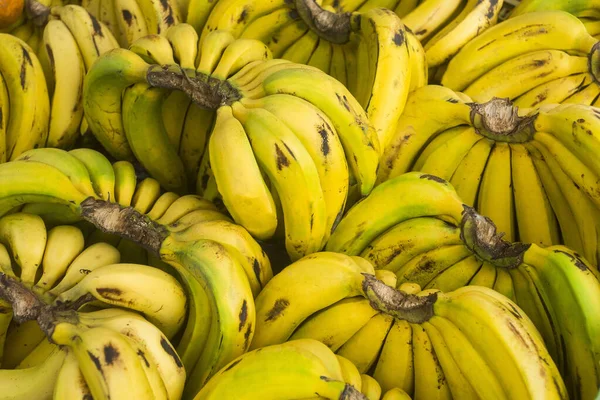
{"x": 479, "y": 235}
{"x": 331, "y": 26}
{"x": 207, "y": 92}
{"x": 27, "y": 306}
{"x": 499, "y": 120}
{"x": 409, "y": 307}
{"x": 126, "y": 222}
{"x": 37, "y": 12}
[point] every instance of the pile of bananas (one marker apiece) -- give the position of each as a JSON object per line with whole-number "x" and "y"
{"x": 293, "y": 199}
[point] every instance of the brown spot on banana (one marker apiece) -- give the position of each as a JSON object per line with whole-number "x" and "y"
{"x": 277, "y": 310}
{"x": 281, "y": 160}
{"x": 243, "y": 316}
{"x": 164, "y": 343}
{"x": 26, "y": 60}
{"x": 127, "y": 16}
{"x": 111, "y": 354}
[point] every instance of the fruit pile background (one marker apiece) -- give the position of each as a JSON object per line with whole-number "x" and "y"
{"x": 294, "y": 199}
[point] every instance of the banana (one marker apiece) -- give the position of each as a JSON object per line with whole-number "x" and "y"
{"x": 438, "y": 142}
{"x": 384, "y": 37}
{"x": 349, "y": 372}
{"x": 64, "y": 244}
{"x": 415, "y": 130}
{"x": 146, "y": 194}
{"x": 430, "y": 381}
{"x": 495, "y": 198}
{"x": 536, "y": 222}
{"x": 70, "y": 383}
{"x": 294, "y": 371}
{"x": 321, "y": 57}
{"x": 239, "y": 177}
{"x": 174, "y": 110}
{"x": 318, "y": 137}
{"x": 294, "y": 174}
{"x": 264, "y": 27}
{"x": 525, "y": 72}
{"x": 146, "y": 134}
{"x": 232, "y": 307}
{"x": 587, "y": 95}
{"x": 457, "y": 275}
{"x": 468, "y": 174}
{"x": 237, "y": 241}
{"x": 26, "y": 237}
{"x": 101, "y": 172}
{"x": 565, "y": 215}
{"x": 154, "y": 49}
{"x": 238, "y": 54}
{"x": 183, "y": 206}
{"x": 198, "y": 12}
{"x": 194, "y": 219}
{"x": 395, "y": 394}
{"x": 364, "y": 347}
{"x": 67, "y": 70}
{"x": 281, "y": 39}
{"x": 125, "y": 182}
{"x": 277, "y": 317}
{"x": 347, "y": 315}
{"x": 102, "y": 102}
{"x": 512, "y": 38}
{"x": 184, "y": 40}
{"x": 337, "y": 69}
{"x": 475, "y": 17}
{"x": 21, "y": 341}
{"x": 66, "y": 163}
{"x": 152, "y": 292}
{"x": 419, "y": 71}
{"x": 574, "y": 8}
{"x": 234, "y": 15}
{"x": 92, "y": 36}
{"x": 428, "y": 266}
{"x": 300, "y": 51}
{"x": 6, "y": 317}
{"x": 211, "y": 49}
{"x": 161, "y": 205}
{"x": 151, "y": 340}
{"x": 434, "y": 197}
{"x": 160, "y": 15}
{"x": 370, "y": 387}
{"x": 554, "y": 92}
{"x": 196, "y": 129}
{"x": 27, "y": 123}
{"x": 107, "y": 360}
{"x": 429, "y": 15}
{"x": 131, "y": 23}
{"x": 409, "y": 239}
{"x": 356, "y": 133}
{"x": 18, "y": 383}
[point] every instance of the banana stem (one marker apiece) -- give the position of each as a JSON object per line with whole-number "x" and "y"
{"x": 37, "y": 12}
{"x": 27, "y": 306}
{"x": 125, "y": 222}
{"x": 333, "y": 27}
{"x": 351, "y": 393}
{"x": 479, "y": 235}
{"x": 394, "y": 302}
{"x": 499, "y": 120}
{"x": 207, "y": 92}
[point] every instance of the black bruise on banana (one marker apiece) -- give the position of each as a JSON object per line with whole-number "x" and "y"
{"x": 278, "y": 309}
{"x": 434, "y": 178}
{"x": 324, "y": 140}
{"x": 247, "y": 336}
{"x": 111, "y": 354}
{"x": 491, "y": 8}
{"x": 169, "y": 20}
{"x": 26, "y": 59}
{"x": 399, "y": 38}
{"x": 110, "y": 293}
{"x": 233, "y": 364}
{"x": 96, "y": 27}
{"x": 243, "y": 15}
{"x": 255, "y": 267}
{"x": 574, "y": 259}
{"x": 127, "y": 16}
{"x": 170, "y": 351}
{"x": 96, "y": 362}
{"x": 281, "y": 160}
{"x": 343, "y": 101}
{"x": 142, "y": 355}
{"x": 243, "y": 316}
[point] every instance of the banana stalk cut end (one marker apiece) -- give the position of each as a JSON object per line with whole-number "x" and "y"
{"x": 480, "y": 236}
{"x": 331, "y": 26}
{"x": 412, "y": 308}
{"x": 499, "y": 120}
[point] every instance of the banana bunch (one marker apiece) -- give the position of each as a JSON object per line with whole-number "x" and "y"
{"x": 219, "y": 263}
{"x": 275, "y": 141}
{"x": 66, "y": 40}
{"x": 110, "y": 353}
{"x": 129, "y": 20}
{"x": 535, "y": 58}
{"x": 372, "y": 53}
{"x": 422, "y": 242}
{"x": 582, "y": 9}
{"x": 532, "y": 171}
{"x": 469, "y": 343}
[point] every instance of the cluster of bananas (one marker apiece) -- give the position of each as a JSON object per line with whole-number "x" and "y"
{"x": 532, "y": 171}
{"x": 533, "y": 58}
{"x": 428, "y": 237}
